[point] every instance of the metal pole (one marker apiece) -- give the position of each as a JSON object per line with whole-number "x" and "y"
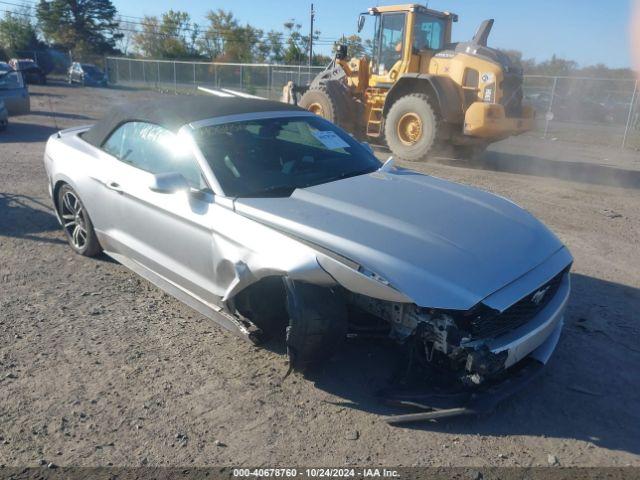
{"x": 194, "y": 76}
{"x": 144, "y": 75}
{"x": 313, "y": 14}
{"x": 633, "y": 102}
{"x": 175, "y": 79}
{"x": 215, "y": 75}
{"x": 241, "y": 80}
{"x": 158, "y": 82}
{"x": 130, "y": 78}
{"x": 269, "y": 80}
{"x": 550, "y": 111}
{"x": 117, "y": 71}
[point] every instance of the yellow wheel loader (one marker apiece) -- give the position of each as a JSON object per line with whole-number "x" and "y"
{"x": 419, "y": 90}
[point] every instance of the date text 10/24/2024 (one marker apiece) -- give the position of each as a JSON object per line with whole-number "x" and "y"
{"x": 316, "y": 472}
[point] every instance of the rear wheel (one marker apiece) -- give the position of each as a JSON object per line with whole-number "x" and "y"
{"x": 411, "y": 128}
{"x": 76, "y": 223}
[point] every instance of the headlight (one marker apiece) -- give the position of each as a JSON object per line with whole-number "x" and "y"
{"x": 489, "y": 93}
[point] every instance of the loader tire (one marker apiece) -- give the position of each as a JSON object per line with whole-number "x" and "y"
{"x": 411, "y": 128}
{"x": 332, "y": 102}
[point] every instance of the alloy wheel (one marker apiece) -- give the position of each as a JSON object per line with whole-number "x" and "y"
{"x": 73, "y": 217}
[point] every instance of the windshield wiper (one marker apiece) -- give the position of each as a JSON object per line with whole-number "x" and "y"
{"x": 344, "y": 175}
{"x": 273, "y": 191}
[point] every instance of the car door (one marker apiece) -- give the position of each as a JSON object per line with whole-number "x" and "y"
{"x": 76, "y": 72}
{"x": 14, "y": 93}
{"x": 168, "y": 233}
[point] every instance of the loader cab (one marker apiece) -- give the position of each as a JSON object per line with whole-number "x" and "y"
{"x": 406, "y": 38}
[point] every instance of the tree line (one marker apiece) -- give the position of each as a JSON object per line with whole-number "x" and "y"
{"x": 92, "y": 28}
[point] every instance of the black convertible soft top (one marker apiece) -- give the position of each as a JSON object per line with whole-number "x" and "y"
{"x": 175, "y": 112}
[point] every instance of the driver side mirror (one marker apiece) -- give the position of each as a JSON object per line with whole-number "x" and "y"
{"x": 169, "y": 183}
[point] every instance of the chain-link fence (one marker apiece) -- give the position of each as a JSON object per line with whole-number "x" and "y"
{"x": 593, "y": 111}
{"x": 586, "y": 110}
{"x": 258, "y": 79}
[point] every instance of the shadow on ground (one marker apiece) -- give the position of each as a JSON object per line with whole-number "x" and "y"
{"x": 71, "y": 116}
{"x": 27, "y": 218}
{"x": 26, "y": 132}
{"x": 589, "y": 173}
{"x": 589, "y": 391}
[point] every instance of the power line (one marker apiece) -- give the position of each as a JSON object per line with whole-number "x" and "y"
{"x": 202, "y": 35}
{"x": 191, "y": 26}
{"x": 161, "y": 35}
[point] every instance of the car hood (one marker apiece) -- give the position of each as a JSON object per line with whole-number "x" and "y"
{"x": 442, "y": 244}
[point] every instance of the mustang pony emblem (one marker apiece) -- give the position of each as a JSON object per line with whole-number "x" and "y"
{"x": 539, "y": 295}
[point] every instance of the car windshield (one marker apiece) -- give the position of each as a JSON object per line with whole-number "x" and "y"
{"x": 10, "y": 80}
{"x": 273, "y": 157}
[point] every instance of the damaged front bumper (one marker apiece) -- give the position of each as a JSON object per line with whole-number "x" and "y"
{"x": 481, "y": 401}
{"x": 527, "y": 350}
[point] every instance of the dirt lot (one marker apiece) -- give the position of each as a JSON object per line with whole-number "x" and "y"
{"x": 98, "y": 367}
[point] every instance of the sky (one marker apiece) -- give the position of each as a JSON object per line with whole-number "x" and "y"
{"x": 586, "y": 31}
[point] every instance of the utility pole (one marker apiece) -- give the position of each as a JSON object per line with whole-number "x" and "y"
{"x": 313, "y": 16}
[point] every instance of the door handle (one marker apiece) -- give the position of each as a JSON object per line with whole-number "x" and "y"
{"x": 114, "y": 186}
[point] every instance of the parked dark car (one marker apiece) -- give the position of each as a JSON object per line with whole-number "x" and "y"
{"x": 30, "y": 70}
{"x": 13, "y": 91}
{"x": 87, "y": 74}
{"x": 4, "y": 116}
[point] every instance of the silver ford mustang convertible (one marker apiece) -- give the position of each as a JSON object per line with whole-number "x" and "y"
{"x": 273, "y": 221}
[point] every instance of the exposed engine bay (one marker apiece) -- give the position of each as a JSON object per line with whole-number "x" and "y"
{"x": 443, "y": 347}
{"x": 435, "y": 338}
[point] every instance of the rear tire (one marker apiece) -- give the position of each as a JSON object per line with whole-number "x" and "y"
{"x": 411, "y": 128}
{"x": 77, "y": 224}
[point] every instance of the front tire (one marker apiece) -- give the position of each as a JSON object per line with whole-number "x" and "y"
{"x": 411, "y": 128}
{"x": 77, "y": 224}
{"x": 332, "y": 102}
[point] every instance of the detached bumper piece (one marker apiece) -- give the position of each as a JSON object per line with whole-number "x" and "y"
{"x": 480, "y": 401}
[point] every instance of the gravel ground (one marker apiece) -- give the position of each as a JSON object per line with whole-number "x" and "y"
{"x": 98, "y": 367}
